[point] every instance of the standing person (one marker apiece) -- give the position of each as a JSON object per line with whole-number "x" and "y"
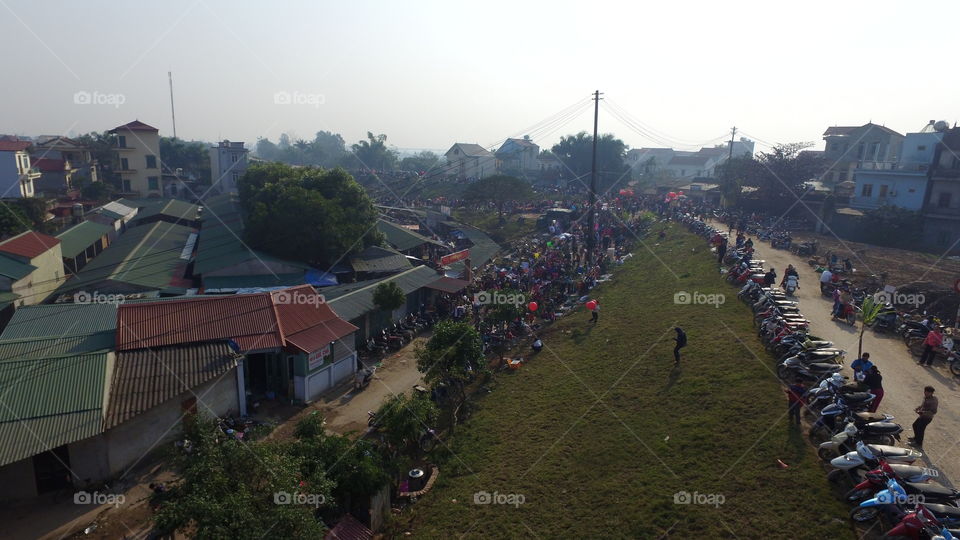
{"x": 770, "y": 278}
{"x": 874, "y": 382}
{"x": 595, "y": 312}
{"x": 681, "y": 340}
{"x": 721, "y": 250}
{"x": 795, "y": 399}
{"x": 926, "y": 411}
{"x": 933, "y": 340}
{"x": 825, "y": 278}
{"x": 861, "y": 366}
{"x": 836, "y": 302}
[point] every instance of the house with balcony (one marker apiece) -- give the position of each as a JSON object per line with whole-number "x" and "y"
{"x": 62, "y": 162}
{"x": 901, "y": 182}
{"x": 941, "y": 207}
{"x": 17, "y": 174}
{"x": 849, "y": 146}
{"x": 138, "y": 147}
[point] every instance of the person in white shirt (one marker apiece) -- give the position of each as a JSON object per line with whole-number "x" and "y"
{"x": 825, "y": 277}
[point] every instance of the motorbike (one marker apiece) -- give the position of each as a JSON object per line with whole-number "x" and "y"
{"x": 848, "y": 314}
{"x": 924, "y": 518}
{"x": 953, "y": 361}
{"x": 876, "y": 480}
{"x": 844, "y": 441}
{"x": 848, "y": 407}
{"x": 364, "y": 376}
{"x": 868, "y": 455}
{"x": 791, "y": 284}
{"x": 898, "y": 495}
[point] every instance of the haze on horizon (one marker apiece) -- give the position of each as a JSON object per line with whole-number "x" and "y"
{"x": 430, "y": 73}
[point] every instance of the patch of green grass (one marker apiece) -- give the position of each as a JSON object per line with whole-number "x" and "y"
{"x": 600, "y": 431}
{"x": 489, "y": 222}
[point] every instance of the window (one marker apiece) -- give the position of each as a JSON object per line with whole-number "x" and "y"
{"x": 875, "y": 151}
{"x": 153, "y": 183}
{"x": 883, "y": 191}
{"x": 921, "y": 148}
{"x": 234, "y": 157}
{"x": 121, "y": 141}
{"x": 943, "y": 201}
{"x": 860, "y": 150}
{"x": 151, "y": 162}
{"x": 126, "y": 185}
{"x": 867, "y": 190}
{"x": 124, "y": 164}
{"x": 843, "y": 176}
{"x": 236, "y": 177}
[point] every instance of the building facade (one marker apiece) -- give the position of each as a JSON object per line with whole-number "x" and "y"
{"x": 518, "y": 156}
{"x": 63, "y": 162}
{"x": 16, "y": 172}
{"x": 849, "y": 146}
{"x": 941, "y": 207}
{"x": 138, "y": 146}
{"x": 902, "y": 182}
{"x": 470, "y": 161}
{"x": 228, "y": 162}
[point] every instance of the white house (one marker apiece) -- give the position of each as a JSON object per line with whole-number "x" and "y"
{"x": 519, "y": 155}
{"x": 465, "y": 160}
{"x": 228, "y": 162}
{"x": 16, "y": 173}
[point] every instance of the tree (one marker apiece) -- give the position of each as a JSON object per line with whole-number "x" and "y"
{"x": 403, "y": 419}
{"x": 388, "y": 296}
{"x": 373, "y": 153}
{"x": 420, "y": 162}
{"x": 870, "y": 311}
{"x": 309, "y": 214}
{"x": 96, "y": 191}
{"x": 499, "y": 190}
{"x": 779, "y": 175}
{"x": 103, "y": 149}
{"x": 453, "y": 356}
{"x": 576, "y": 152}
{"x": 13, "y": 220}
{"x": 234, "y": 489}
{"x": 193, "y": 157}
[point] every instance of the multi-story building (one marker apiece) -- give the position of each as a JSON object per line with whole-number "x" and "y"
{"x": 519, "y": 155}
{"x": 469, "y": 161}
{"x": 228, "y": 162}
{"x": 138, "y": 146}
{"x": 684, "y": 164}
{"x": 16, "y": 173}
{"x": 62, "y": 162}
{"x": 941, "y": 206}
{"x": 848, "y": 146}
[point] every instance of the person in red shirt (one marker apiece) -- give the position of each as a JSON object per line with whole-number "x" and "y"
{"x": 933, "y": 340}
{"x": 795, "y": 399}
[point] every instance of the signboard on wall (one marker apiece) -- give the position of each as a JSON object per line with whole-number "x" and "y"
{"x": 317, "y": 358}
{"x": 454, "y": 257}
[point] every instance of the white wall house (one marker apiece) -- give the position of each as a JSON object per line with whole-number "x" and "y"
{"x": 228, "y": 162}
{"x": 470, "y": 161}
{"x": 140, "y": 167}
{"x": 16, "y": 173}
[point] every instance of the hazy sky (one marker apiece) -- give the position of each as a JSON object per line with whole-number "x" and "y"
{"x": 429, "y": 73}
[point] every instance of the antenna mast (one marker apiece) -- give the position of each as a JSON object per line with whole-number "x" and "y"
{"x": 173, "y": 114}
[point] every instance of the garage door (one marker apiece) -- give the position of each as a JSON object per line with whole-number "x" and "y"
{"x": 343, "y": 369}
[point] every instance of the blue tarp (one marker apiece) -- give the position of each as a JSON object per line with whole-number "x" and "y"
{"x": 318, "y": 278}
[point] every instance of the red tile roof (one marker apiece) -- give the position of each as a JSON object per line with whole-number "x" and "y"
{"x": 14, "y": 146}
{"x": 136, "y": 125}
{"x": 29, "y": 244}
{"x": 349, "y": 528}
{"x": 48, "y": 164}
{"x": 293, "y": 317}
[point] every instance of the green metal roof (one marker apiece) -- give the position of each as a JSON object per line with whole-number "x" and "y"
{"x": 6, "y": 298}
{"x": 51, "y": 402}
{"x": 173, "y": 208}
{"x": 147, "y": 257}
{"x": 220, "y": 244}
{"x": 78, "y": 238}
{"x": 378, "y": 259}
{"x": 60, "y": 320}
{"x": 483, "y": 249}
{"x": 355, "y": 303}
{"x": 402, "y": 238}
{"x": 14, "y": 269}
{"x": 33, "y": 348}
{"x": 246, "y": 282}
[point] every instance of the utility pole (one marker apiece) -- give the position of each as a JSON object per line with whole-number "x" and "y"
{"x": 172, "y": 113}
{"x": 591, "y": 222}
{"x": 728, "y": 172}
{"x": 733, "y": 133}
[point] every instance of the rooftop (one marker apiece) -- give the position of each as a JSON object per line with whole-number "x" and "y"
{"x": 136, "y": 125}
{"x": 28, "y": 245}
{"x": 379, "y": 260}
{"x": 471, "y": 150}
{"x": 172, "y": 209}
{"x": 402, "y": 238}
{"x": 14, "y": 146}
{"x": 78, "y": 238}
{"x": 356, "y": 302}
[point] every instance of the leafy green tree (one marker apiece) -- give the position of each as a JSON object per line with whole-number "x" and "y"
{"x": 103, "y": 149}
{"x": 576, "y": 152}
{"x": 310, "y": 214}
{"x": 870, "y": 311}
{"x": 193, "y": 157}
{"x": 420, "y": 162}
{"x": 13, "y": 220}
{"x": 233, "y": 489}
{"x": 36, "y": 209}
{"x": 372, "y": 153}
{"x": 388, "y": 296}
{"x": 96, "y": 191}
{"x": 779, "y": 175}
{"x": 402, "y": 419}
{"x": 453, "y": 357}
{"x": 499, "y": 190}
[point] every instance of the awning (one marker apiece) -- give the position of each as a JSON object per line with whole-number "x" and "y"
{"x": 448, "y": 284}
{"x": 318, "y": 278}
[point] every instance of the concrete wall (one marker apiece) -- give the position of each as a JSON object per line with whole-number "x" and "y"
{"x": 49, "y": 275}
{"x": 9, "y": 175}
{"x": 139, "y": 145}
{"x": 904, "y": 189}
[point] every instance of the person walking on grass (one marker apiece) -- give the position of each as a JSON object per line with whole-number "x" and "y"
{"x": 721, "y": 250}
{"x": 874, "y": 381}
{"x": 595, "y": 312}
{"x": 795, "y": 399}
{"x": 681, "y": 340}
{"x": 926, "y": 411}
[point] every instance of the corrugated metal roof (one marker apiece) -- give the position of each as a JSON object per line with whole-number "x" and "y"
{"x": 60, "y": 320}
{"x": 483, "y": 249}
{"x": 403, "y": 239}
{"x": 50, "y": 402}
{"x": 355, "y": 303}
{"x": 448, "y": 284}
{"x": 33, "y": 348}
{"x": 29, "y": 245}
{"x": 248, "y": 319}
{"x": 245, "y": 282}
{"x": 146, "y": 378}
{"x": 117, "y": 209}
{"x": 147, "y": 257}
{"x": 6, "y": 298}
{"x": 379, "y": 260}
{"x": 306, "y": 321}
{"x": 14, "y": 269}
{"x": 172, "y": 209}
{"x": 78, "y": 238}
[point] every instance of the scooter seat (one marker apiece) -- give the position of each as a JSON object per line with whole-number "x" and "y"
{"x": 883, "y": 427}
{"x": 908, "y": 471}
{"x": 823, "y": 366}
{"x": 932, "y": 490}
{"x": 943, "y": 510}
{"x": 857, "y": 397}
{"x": 868, "y": 417}
{"x": 883, "y": 450}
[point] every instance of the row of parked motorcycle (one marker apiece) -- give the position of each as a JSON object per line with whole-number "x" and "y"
{"x": 394, "y": 337}
{"x": 884, "y": 479}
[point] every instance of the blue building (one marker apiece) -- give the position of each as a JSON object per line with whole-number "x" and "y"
{"x": 902, "y": 182}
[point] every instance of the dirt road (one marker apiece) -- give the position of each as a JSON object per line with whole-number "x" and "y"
{"x": 903, "y": 379}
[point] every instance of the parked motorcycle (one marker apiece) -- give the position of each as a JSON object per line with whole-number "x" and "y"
{"x": 925, "y": 518}
{"x": 876, "y": 480}
{"x": 867, "y": 457}
{"x": 874, "y": 433}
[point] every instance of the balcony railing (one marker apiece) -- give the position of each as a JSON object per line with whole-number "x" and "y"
{"x": 910, "y": 166}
